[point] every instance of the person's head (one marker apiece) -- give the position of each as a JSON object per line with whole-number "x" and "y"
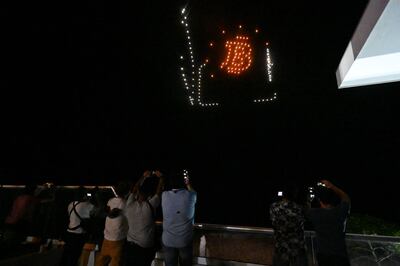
{"x": 122, "y": 189}
{"x": 100, "y": 198}
{"x": 327, "y": 197}
{"x": 291, "y": 192}
{"x": 148, "y": 187}
{"x": 80, "y": 194}
{"x": 175, "y": 181}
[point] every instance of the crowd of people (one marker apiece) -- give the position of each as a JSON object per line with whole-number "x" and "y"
{"x": 124, "y": 227}
{"x": 130, "y": 236}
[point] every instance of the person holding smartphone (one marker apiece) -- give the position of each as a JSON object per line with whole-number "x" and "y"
{"x": 287, "y": 217}
{"x": 329, "y": 223}
{"x": 178, "y": 206}
{"x": 141, "y": 214}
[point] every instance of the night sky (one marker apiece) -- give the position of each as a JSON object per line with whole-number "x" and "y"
{"x": 91, "y": 93}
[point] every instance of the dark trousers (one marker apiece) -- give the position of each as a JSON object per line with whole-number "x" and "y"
{"x": 332, "y": 260}
{"x": 138, "y": 256}
{"x": 15, "y": 234}
{"x": 182, "y": 255}
{"x": 299, "y": 260}
{"x": 72, "y": 248}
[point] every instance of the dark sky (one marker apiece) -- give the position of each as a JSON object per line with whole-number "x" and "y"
{"x": 91, "y": 92}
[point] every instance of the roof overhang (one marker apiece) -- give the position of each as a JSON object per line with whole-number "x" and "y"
{"x": 373, "y": 54}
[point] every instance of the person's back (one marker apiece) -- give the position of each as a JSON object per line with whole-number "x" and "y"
{"x": 23, "y": 207}
{"x": 329, "y": 223}
{"x": 115, "y": 230}
{"x": 76, "y": 236}
{"x": 20, "y": 219}
{"x": 141, "y": 214}
{"x": 78, "y": 210}
{"x": 287, "y": 219}
{"x": 178, "y": 206}
{"x": 141, "y": 221}
{"x": 116, "y": 227}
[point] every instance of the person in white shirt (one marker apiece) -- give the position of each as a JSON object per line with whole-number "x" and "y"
{"x": 76, "y": 235}
{"x": 141, "y": 213}
{"x": 115, "y": 230}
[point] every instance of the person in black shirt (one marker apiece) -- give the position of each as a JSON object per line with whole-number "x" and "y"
{"x": 329, "y": 223}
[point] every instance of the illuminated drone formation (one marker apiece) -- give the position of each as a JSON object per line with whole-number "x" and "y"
{"x": 238, "y": 58}
{"x": 237, "y": 61}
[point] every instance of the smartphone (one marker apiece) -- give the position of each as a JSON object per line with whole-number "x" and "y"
{"x": 280, "y": 193}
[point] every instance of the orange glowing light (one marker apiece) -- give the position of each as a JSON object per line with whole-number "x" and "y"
{"x": 211, "y": 44}
{"x": 239, "y": 56}
{"x": 212, "y": 75}
{"x": 223, "y": 32}
{"x": 256, "y": 30}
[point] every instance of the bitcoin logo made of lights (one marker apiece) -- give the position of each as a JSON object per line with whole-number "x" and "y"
{"x": 238, "y": 55}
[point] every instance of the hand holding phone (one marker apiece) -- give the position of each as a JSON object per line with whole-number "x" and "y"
{"x": 186, "y": 176}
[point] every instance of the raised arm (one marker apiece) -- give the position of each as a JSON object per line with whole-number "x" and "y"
{"x": 160, "y": 186}
{"x": 189, "y": 185}
{"x": 145, "y": 175}
{"x": 341, "y": 194}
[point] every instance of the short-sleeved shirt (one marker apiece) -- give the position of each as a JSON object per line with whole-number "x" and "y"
{"x": 83, "y": 209}
{"x": 178, "y": 206}
{"x": 329, "y": 226}
{"x": 141, "y": 221}
{"x": 116, "y": 228}
{"x": 288, "y": 220}
{"x": 116, "y": 202}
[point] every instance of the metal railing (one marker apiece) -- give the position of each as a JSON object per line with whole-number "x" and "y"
{"x": 258, "y": 242}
